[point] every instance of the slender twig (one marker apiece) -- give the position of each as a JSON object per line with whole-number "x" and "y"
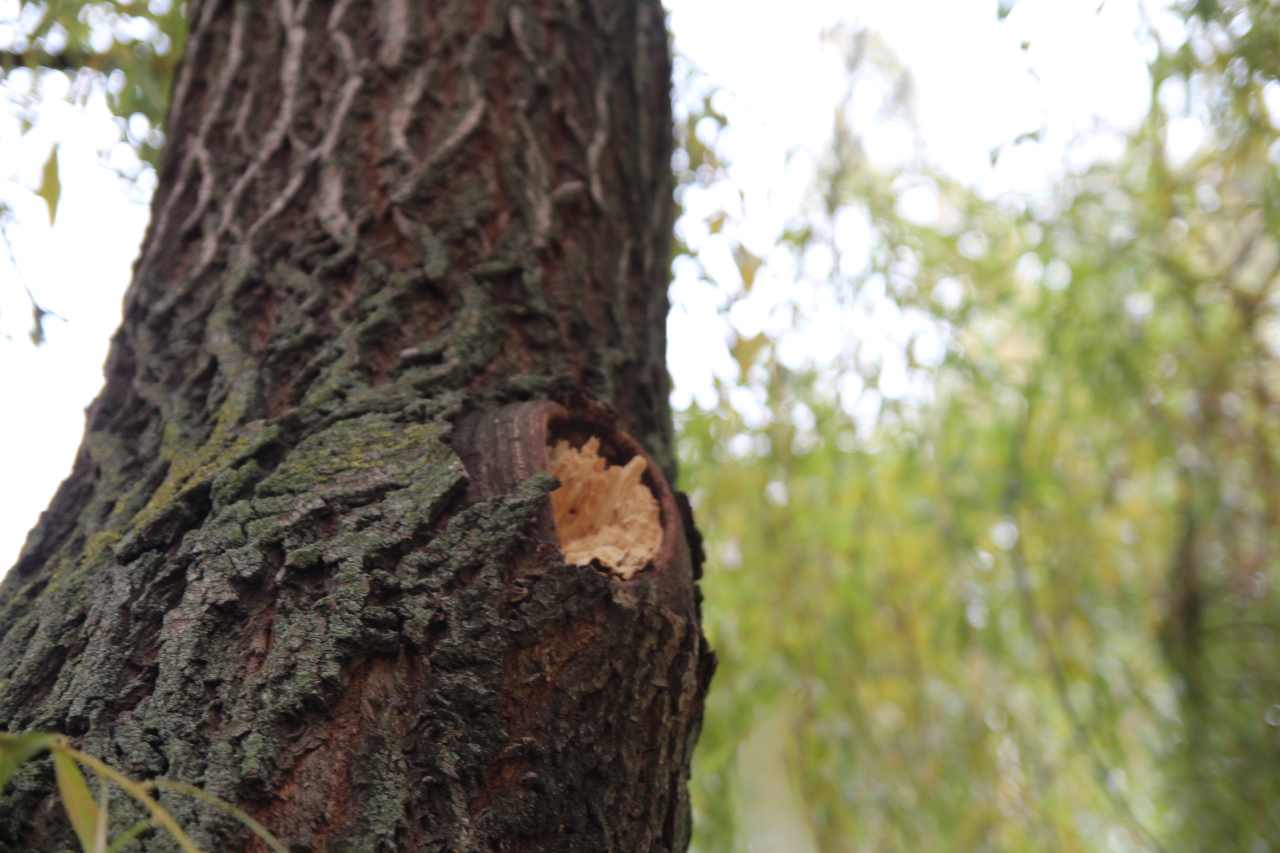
{"x": 221, "y": 804}
{"x": 39, "y": 310}
{"x": 137, "y": 790}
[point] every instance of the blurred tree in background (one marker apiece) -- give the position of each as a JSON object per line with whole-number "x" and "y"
{"x": 78, "y": 50}
{"x": 127, "y": 51}
{"x": 1000, "y": 575}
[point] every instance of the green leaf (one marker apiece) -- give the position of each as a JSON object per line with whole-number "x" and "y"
{"x": 748, "y": 266}
{"x": 104, "y": 799}
{"x": 221, "y": 804}
{"x": 37, "y": 325}
{"x": 746, "y": 349}
{"x": 131, "y": 833}
{"x": 77, "y": 800}
{"x": 51, "y": 186}
{"x": 17, "y": 750}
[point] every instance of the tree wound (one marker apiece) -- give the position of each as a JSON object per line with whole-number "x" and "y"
{"x": 604, "y": 512}
{"x": 503, "y": 448}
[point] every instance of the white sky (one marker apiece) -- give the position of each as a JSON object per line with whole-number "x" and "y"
{"x": 974, "y": 90}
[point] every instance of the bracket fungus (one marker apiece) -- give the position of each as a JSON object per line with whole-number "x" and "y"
{"x": 603, "y": 512}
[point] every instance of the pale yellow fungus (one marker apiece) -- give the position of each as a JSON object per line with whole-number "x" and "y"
{"x": 603, "y": 512}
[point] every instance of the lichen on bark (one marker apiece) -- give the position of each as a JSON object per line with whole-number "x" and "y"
{"x": 271, "y": 573}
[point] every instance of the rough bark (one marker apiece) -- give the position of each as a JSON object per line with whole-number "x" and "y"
{"x": 304, "y": 559}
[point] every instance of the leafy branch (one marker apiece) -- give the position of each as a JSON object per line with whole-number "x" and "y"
{"x": 90, "y": 817}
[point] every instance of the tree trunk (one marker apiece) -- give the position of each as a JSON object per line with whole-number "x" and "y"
{"x": 306, "y": 558}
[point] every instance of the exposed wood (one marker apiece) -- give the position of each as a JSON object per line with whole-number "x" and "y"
{"x": 604, "y": 512}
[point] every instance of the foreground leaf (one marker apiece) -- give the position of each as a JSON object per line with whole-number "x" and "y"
{"x": 76, "y": 799}
{"x": 131, "y": 833}
{"x": 17, "y": 750}
{"x": 219, "y": 803}
{"x": 104, "y": 799}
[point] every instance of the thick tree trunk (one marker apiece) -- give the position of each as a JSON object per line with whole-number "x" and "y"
{"x": 306, "y": 559}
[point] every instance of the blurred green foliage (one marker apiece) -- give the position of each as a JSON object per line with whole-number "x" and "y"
{"x": 125, "y": 51}
{"x": 1026, "y": 600}
{"x": 132, "y": 49}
